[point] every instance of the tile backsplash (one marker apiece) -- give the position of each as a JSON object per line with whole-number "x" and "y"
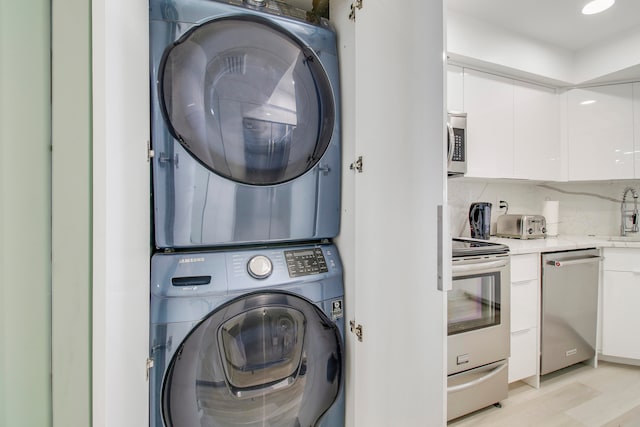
{"x": 585, "y": 208}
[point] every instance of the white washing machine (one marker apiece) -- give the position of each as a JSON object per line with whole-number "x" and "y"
{"x": 250, "y": 338}
{"x": 245, "y": 124}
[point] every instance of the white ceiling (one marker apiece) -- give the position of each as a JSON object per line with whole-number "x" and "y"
{"x": 558, "y": 22}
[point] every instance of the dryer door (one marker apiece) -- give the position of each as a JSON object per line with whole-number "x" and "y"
{"x": 248, "y": 100}
{"x": 264, "y": 359}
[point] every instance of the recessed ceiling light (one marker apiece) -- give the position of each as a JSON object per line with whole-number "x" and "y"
{"x": 597, "y": 6}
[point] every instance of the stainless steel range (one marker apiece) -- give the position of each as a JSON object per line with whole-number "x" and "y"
{"x": 477, "y": 326}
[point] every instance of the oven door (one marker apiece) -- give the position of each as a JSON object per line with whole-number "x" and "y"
{"x": 478, "y": 312}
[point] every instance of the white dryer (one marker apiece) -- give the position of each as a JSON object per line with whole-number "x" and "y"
{"x": 245, "y": 124}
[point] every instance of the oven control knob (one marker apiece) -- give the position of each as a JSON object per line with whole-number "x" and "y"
{"x": 530, "y": 231}
{"x": 260, "y": 267}
{"x": 544, "y": 230}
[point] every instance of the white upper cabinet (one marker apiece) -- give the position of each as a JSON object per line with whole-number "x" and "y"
{"x": 600, "y": 133}
{"x": 455, "y": 89}
{"x": 513, "y": 127}
{"x": 537, "y": 150}
{"x": 488, "y": 101}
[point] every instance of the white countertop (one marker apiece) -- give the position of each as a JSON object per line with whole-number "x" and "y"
{"x": 563, "y": 243}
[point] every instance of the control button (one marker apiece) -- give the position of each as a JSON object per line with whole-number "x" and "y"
{"x": 260, "y": 267}
{"x": 530, "y": 231}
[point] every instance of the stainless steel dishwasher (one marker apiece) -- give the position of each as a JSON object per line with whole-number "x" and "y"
{"x": 569, "y": 308}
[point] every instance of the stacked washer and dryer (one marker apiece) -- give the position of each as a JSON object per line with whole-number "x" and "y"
{"x": 247, "y": 325}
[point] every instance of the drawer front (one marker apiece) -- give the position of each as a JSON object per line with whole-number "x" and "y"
{"x": 524, "y": 305}
{"x": 621, "y": 259}
{"x": 525, "y": 267}
{"x": 523, "y": 362}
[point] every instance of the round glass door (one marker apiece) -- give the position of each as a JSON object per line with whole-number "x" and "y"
{"x": 248, "y": 100}
{"x": 268, "y": 358}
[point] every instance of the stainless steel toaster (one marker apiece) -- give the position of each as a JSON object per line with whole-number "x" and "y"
{"x": 521, "y": 226}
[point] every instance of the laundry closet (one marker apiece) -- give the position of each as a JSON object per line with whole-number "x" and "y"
{"x": 392, "y": 197}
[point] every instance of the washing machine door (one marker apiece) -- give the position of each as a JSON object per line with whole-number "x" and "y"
{"x": 248, "y": 100}
{"x": 265, "y": 359}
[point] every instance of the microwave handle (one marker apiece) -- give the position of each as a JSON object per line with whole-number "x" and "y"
{"x": 450, "y": 141}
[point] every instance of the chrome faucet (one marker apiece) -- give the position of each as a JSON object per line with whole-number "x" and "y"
{"x": 629, "y": 217}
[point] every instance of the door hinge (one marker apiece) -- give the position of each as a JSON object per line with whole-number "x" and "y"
{"x": 357, "y": 165}
{"x": 149, "y": 365}
{"x": 356, "y": 329}
{"x": 355, "y": 5}
{"x": 150, "y": 152}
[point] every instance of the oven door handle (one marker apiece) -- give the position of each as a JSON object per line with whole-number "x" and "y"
{"x": 483, "y": 267}
{"x": 492, "y": 373}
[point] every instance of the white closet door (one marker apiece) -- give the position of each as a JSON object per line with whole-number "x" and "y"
{"x": 399, "y": 131}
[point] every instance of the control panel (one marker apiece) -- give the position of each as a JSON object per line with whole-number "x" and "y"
{"x": 305, "y": 262}
{"x": 458, "y": 145}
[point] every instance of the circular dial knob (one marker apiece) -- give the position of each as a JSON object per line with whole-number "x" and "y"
{"x": 260, "y": 267}
{"x": 530, "y": 231}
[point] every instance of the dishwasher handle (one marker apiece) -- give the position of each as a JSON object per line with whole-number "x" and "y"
{"x": 574, "y": 261}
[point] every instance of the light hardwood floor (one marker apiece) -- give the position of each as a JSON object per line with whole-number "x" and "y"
{"x": 608, "y": 395}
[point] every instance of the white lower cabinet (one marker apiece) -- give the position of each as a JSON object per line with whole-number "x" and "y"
{"x": 620, "y": 296}
{"x": 523, "y": 362}
{"x": 525, "y": 306}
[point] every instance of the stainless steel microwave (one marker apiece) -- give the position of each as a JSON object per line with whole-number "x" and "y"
{"x": 456, "y": 144}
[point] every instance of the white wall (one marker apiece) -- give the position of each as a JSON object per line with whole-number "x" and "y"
{"x": 25, "y": 229}
{"x": 486, "y": 46}
{"x": 585, "y": 208}
{"x": 346, "y": 239}
{"x": 71, "y": 213}
{"x": 474, "y": 42}
{"x": 121, "y": 216}
{"x": 607, "y": 58}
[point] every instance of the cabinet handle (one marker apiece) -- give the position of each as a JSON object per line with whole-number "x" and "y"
{"x": 521, "y": 331}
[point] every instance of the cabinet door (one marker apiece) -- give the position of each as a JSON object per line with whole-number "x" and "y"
{"x": 488, "y": 100}
{"x": 525, "y": 291}
{"x": 455, "y": 89}
{"x": 523, "y": 361}
{"x": 524, "y": 305}
{"x": 525, "y": 309}
{"x": 399, "y": 119}
{"x": 537, "y": 153}
{"x": 600, "y": 133}
{"x": 620, "y": 315}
